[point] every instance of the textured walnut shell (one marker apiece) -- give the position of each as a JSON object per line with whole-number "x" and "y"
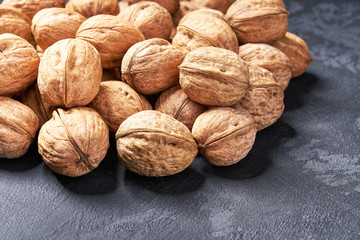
{"x": 151, "y": 66}
{"x": 170, "y": 5}
{"x": 264, "y": 98}
{"x": 185, "y": 8}
{"x": 19, "y": 64}
{"x": 89, "y": 8}
{"x": 297, "y": 51}
{"x": 256, "y": 21}
{"x": 269, "y": 58}
{"x": 31, "y": 7}
{"x": 224, "y": 135}
{"x": 116, "y": 101}
{"x": 73, "y": 142}
{"x": 70, "y": 73}
{"x": 153, "y": 20}
{"x": 199, "y": 29}
{"x": 111, "y": 74}
{"x": 221, "y": 5}
{"x": 48, "y": 25}
{"x": 112, "y": 36}
{"x": 176, "y": 103}
{"x": 214, "y": 76}
{"x": 154, "y": 144}
{"x": 18, "y": 126}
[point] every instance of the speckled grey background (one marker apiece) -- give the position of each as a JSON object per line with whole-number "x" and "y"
{"x": 300, "y": 181}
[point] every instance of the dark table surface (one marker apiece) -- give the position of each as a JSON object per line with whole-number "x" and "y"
{"x": 300, "y": 181}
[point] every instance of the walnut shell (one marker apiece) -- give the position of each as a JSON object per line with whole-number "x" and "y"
{"x": 112, "y": 36}
{"x": 224, "y": 135}
{"x": 89, "y": 8}
{"x": 264, "y": 98}
{"x": 153, "y": 20}
{"x": 111, "y": 74}
{"x": 31, "y": 7}
{"x": 70, "y": 73}
{"x": 177, "y": 104}
{"x": 73, "y": 142}
{"x": 151, "y": 66}
{"x": 256, "y": 21}
{"x": 185, "y": 8}
{"x": 214, "y": 76}
{"x": 48, "y": 25}
{"x": 19, "y": 64}
{"x": 18, "y": 127}
{"x": 220, "y": 5}
{"x": 269, "y": 58}
{"x": 170, "y": 5}
{"x": 116, "y": 101}
{"x": 151, "y": 143}
{"x": 297, "y": 51}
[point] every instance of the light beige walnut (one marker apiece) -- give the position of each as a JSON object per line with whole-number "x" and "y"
{"x": 73, "y": 142}
{"x": 221, "y": 5}
{"x": 112, "y": 36}
{"x": 31, "y": 7}
{"x": 89, "y": 8}
{"x": 18, "y": 127}
{"x": 270, "y": 58}
{"x": 297, "y": 51}
{"x": 214, "y": 76}
{"x": 154, "y": 144}
{"x": 116, "y": 101}
{"x": 111, "y": 74}
{"x": 19, "y": 64}
{"x": 224, "y": 135}
{"x": 54, "y": 24}
{"x": 151, "y": 66}
{"x": 185, "y": 8}
{"x": 264, "y": 98}
{"x": 256, "y": 21}
{"x": 170, "y": 5}
{"x": 70, "y": 73}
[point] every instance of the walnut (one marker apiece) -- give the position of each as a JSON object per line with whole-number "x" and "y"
{"x": 18, "y": 126}
{"x": 31, "y": 7}
{"x": 70, "y": 73}
{"x": 151, "y": 66}
{"x": 112, "y": 36}
{"x": 14, "y": 21}
{"x": 111, "y": 74}
{"x": 170, "y": 5}
{"x": 19, "y": 64}
{"x": 177, "y": 104}
{"x": 224, "y": 135}
{"x": 116, "y": 101}
{"x": 297, "y": 51}
{"x": 199, "y": 29}
{"x": 258, "y": 20}
{"x": 73, "y": 142}
{"x": 220, "y": 5}
{"x": 214, "y": 76}
{"x": 89, "y": 8}
{"x": 48, "y": 25}
{"x": 264, "y": 98}
{"x": 153, "y": 20}
{"x": 151, "y": 143}
{"x": 185, "y": 8}
{"x": 269, "y": 58}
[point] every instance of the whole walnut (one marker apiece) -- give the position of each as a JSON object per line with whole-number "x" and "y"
{"x": 111, "y": 74}
{"x": 264, "y": 98}
{"x": 221, "y": 5}
{"x": 73, "y": 142}
{"x": 19, "y": 64}
{"x": 177, "y": 104}
{"x": 18, "y": 127}
{"x": 70, "y": 73}
{"x": 297, "y": 51}
{"x": 154, "y": 144}
{"x": 112, "y": 36}
{"x": 15, "y": 22}
{"x": 269, "y": 58}
{"x": 89, "y": 8}
{"x": 170, "y": 5}
{"x": 151, "y": 66}
{"x": 48, "y": 25}
{"x": 116, "y": 101}
{"x": 153, "y": 20}
{"x": 256, "y": 21}
{"x": 185, "y": 8}
{"x": 224, "y": 135}
{"x": 31, "y": 7}
{"x": 214, "y": 76}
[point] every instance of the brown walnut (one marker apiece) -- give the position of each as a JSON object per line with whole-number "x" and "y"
{"x": 89, "y": 8}
{"x": 221, "y": 5}
{"x": 170, "y": 5}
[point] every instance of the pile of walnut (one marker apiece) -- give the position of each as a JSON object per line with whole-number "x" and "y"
{"x": 85, "y": 69}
